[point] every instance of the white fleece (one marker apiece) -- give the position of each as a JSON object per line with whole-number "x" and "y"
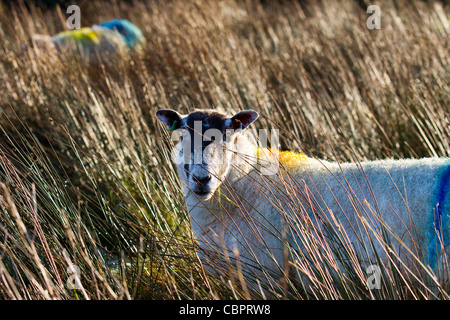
{"x": 258, "y": 215}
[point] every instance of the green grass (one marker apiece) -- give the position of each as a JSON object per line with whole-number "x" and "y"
{"x": 85, "y": 165}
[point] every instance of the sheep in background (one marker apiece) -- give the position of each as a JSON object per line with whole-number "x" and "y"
{"x": 237, "y": 212}
{"x": 111, "y": 37}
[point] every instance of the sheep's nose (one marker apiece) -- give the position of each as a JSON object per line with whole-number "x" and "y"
{"x": 202, "y": 181}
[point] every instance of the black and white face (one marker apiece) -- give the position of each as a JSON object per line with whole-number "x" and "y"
{"x": 205, "y": 146}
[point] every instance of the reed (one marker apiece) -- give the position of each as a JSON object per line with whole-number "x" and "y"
{"x": 86, "y": 172}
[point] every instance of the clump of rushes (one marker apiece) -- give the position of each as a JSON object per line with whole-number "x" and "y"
{"x": 86, "y": 175}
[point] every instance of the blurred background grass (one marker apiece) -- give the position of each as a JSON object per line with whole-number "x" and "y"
{"x": 86, "y": 176}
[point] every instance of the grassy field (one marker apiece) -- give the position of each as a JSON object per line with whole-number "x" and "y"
{"x": 86, "y": 176}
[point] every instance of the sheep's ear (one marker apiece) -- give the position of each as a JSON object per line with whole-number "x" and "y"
{"x": 170, "y": 117}
{"x": 243, "y": 119}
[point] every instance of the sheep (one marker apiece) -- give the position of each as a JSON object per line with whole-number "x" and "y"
{"x": 239, "y": 213}
{"x": 110, "y": 37}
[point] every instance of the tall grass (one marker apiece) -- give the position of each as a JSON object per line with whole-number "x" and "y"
{"x": 86, "y": 175}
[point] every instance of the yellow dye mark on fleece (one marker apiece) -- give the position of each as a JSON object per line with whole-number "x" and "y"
{"x": 291, "y": 158}
{"x": 84, "y": 35}
{"x": 288, "y": 159}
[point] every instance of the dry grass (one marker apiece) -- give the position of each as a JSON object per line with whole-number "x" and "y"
{"x": 86, "y": 174}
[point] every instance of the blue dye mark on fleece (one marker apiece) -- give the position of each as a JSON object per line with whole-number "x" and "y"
{"x": 132, "y": 34}
{"x": 440, "y": 227}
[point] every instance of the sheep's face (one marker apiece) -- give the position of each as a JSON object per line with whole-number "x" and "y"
{"x": 205, "y": 149}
